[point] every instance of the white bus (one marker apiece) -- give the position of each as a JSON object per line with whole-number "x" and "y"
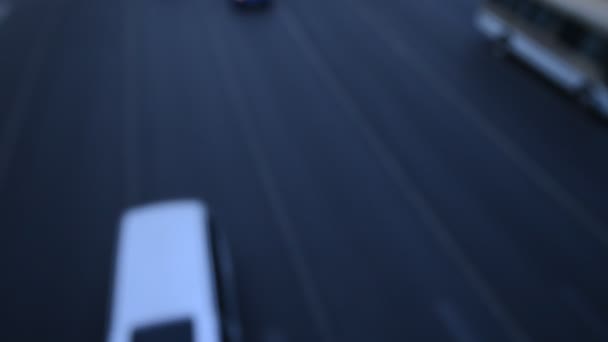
{"x": 566, "y": 40}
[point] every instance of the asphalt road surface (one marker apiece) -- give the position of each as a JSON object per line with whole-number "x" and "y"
{"x": 379, "y": 174}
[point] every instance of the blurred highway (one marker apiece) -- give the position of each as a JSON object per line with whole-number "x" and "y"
{"x": 379, "y": 174}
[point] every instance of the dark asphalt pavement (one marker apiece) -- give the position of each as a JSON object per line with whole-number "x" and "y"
{"x": 379, "y": 174}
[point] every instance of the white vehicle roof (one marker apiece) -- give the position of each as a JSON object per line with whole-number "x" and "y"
{"x": 164, "y": 271}
{"x": 591, "y": 12}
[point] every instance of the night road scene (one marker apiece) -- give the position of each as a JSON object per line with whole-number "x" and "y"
{"x": 304, "y": 171}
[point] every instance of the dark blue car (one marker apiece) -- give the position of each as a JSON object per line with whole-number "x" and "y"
{"x": 252, "y": 3}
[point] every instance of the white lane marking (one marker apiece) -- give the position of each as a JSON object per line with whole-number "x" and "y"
{"x": 13, "y": 127}
{"x": 410, "y": 192}
{"x": 164, "y": 271}
{"x": 130, "y": 128}
{"x": 5, "y": 10}
{"x": 454, "y": 322}
{"x": 264, "y": 173}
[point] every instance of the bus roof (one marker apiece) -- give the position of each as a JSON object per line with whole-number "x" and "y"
{"x": 590, "y": 12}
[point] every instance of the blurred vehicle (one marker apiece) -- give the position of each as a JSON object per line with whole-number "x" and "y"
{"x": 566, "y": 40}
{"x": 252, "y": 3}
{"x": 174, "y": 279}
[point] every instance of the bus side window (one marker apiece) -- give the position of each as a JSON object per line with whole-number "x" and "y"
{"x": 509, "y": 4}
{"x": 547, "y": 20}
{"x": 595, "y": 47}
{"x": 528, "y": 10}
{"x": 538, "y": 15}
{"x": 572, "y": 34}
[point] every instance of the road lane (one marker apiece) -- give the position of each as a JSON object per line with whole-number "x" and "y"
{"x": 361, "y": 203}
{"x": 61, "y": 196}
{"x": 191, "y": 145}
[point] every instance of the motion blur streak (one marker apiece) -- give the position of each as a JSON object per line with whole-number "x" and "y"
{"x": 380, "y": 175}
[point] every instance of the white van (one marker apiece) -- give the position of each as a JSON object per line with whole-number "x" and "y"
{"x": 173, "y": 277}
